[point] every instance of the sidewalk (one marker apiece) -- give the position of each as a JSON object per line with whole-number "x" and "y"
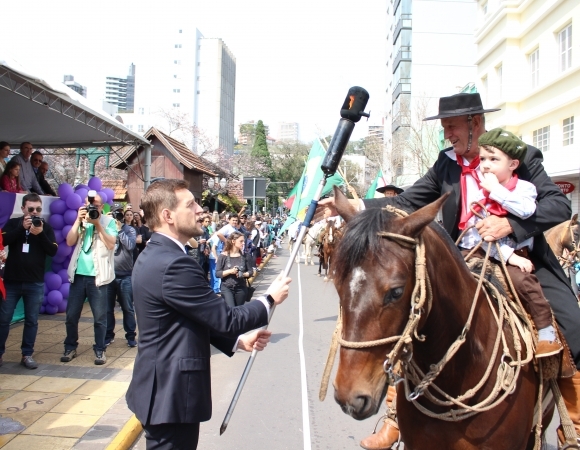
{"x": 64, "y": 405}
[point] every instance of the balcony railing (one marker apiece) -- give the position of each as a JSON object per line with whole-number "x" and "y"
{"x": 404, "y": 23}
{"x": 400, "y": 120}
{"x": 403, "y": 87}
{"x": 404, "y": 54}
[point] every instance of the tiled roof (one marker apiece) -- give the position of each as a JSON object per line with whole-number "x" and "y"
{"x": 178, "y": 149}
{"x": 119, "y": 187}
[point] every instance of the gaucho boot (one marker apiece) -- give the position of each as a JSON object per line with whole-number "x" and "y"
{"x": 570, "y": 388}
{"x": 388, "y": 435}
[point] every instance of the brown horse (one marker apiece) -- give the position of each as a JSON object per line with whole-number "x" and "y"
{"x": 329, "y": 239}
{"x": 376, "y": 277}
{"x": 564, "y": 240}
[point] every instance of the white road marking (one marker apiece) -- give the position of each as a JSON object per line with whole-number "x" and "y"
{"x": 305, "y": 408}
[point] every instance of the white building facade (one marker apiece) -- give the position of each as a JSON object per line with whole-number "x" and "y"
{"x": 528, "y": 65}
{"x": 431, "y": 53}
{"x": 288, "y": 131}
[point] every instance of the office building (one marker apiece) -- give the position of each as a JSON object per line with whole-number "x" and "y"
{"x": 288, "y": 131}
{"x": 69, "y": 80}
{"x": 120, "y": 91}
{"x": 528, "y": 66}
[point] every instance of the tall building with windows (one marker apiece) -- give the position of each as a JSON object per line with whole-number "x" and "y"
{"x": 528, "y": 66}
{"x": 288, "y": 131}
{"x": 69, "y": 80}
{"x": 430, "y": 54}
{"x": 120, "y": 91}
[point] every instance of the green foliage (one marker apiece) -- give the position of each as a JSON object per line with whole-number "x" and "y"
{"x": 260, "y": 148}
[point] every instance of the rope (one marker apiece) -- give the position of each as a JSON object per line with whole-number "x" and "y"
{"x": 567, "y": 424}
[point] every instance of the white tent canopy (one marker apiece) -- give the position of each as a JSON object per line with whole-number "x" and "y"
{"x": 53, "y": 115}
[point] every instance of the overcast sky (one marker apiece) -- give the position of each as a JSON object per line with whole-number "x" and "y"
{"x": 295, "y": 60}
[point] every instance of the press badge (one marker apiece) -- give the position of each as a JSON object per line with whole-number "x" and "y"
{"x": 25, "y": 248}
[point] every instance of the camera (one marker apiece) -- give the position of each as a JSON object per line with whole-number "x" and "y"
{"x": 92, "y": 210}
{"x": 119, "y": 215}
{"x": 37, "y": 221}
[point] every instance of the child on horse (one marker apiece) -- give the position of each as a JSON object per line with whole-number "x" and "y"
{"x": 496, "y": 186}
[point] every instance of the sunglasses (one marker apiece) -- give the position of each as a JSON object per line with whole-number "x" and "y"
{"x": 31, "y": 209}
{"x": 37, "y": 160}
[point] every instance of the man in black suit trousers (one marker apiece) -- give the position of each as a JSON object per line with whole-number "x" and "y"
{"x": 179, "y": 316}
{"x": 462, "y": 119}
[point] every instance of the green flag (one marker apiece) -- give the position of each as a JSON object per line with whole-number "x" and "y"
{"x": 379, "y": 182}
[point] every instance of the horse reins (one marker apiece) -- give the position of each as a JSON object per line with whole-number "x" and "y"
{"x": 566, "y": 263}
{"x": 400, "y": 358}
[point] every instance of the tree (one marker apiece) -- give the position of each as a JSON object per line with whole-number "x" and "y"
{"x": 260, "y": 148}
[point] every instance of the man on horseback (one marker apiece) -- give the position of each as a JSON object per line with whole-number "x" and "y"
{"x": 463, "y": 121}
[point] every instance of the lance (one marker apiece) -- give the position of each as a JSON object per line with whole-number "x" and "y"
{"x": 351, "y": 112}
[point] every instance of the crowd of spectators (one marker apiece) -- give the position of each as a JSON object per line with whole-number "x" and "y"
{"x": 24, "y": 172}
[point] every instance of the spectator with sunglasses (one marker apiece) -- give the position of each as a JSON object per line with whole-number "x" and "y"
{"x": 31, "y": 240}
{"x": 40, "y": 169}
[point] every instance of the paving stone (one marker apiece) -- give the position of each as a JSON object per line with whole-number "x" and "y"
{"x": 16, "y": 382}
{"x": 63, "y": 425}
{"x": 58, "y": 385}
{"x": 31, "y": 401}
{"x": 92, "y": 405}
{"x": 40, "y": 443}
{"x": 103, "y": 388}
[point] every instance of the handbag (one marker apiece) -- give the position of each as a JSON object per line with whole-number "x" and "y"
{"x": 249, "y": 291}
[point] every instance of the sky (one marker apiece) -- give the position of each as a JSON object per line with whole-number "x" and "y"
{"x": 295, "y": 60}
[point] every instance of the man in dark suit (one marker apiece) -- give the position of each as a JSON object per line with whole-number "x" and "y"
{"x": 462, "y": 118}
{"x": 40, "y": 168}
{"x": 179, "y": 316}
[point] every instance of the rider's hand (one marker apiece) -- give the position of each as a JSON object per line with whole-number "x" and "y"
{"x": 255, "y": 340}
{"x": 326, "y": 208}
{"x": 279, "y": 288}
{"x": 493, "y": 228}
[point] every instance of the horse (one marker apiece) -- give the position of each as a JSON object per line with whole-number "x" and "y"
{"x": 564, "y": 240}
{"x": 310, "y": 241}
{"x": 378, "y": 277}
{"x": 329, "y": 238}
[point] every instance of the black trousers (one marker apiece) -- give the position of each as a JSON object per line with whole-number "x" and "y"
{"x": 234, "y": 296}
{"x": 172, "y": 436}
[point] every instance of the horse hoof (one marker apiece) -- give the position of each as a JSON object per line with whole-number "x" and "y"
{"x": 325, "y": 278}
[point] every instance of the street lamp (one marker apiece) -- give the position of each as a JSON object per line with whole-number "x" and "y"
{"x": 214, "y": 185}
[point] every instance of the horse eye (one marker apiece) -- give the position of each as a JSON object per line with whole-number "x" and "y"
{"x": 393, "y": 295}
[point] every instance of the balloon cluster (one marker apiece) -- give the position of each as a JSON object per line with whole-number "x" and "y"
{"x": 63, "y": 215}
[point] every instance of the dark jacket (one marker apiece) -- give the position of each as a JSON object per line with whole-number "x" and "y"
{"x": 552, "y": 209}
{"x": 45, "y": 185}
{"x": 179, "y": 317}
{"x": 124, "y": 249}
{"x": 27, "y": 267}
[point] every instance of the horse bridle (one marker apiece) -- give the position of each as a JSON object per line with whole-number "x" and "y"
{"x": 566, "y": 263}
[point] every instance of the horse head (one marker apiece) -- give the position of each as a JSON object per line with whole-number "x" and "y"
{"x": 375, "y": 278}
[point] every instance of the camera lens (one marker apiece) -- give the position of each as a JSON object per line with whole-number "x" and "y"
{"x": 93, "y": 213}
{"x": 37, "y": 221}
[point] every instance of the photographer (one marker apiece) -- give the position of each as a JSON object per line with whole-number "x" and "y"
{"x": 30, "y": 240}
{"x": 90, "y": 271}
{"x": 232, "y": 268}
{"x": 120, "y": 288}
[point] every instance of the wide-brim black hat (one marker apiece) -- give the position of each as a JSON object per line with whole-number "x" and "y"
{"x": 390, "y": 187}
{"x": 460, "y": 105}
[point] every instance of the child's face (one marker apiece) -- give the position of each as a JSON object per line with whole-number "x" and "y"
{"x": 497, "y": 162}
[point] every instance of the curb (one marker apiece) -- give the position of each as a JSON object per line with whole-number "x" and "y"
{"x": 127, "y": 436}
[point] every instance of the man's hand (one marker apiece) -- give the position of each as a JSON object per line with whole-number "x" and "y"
{"x": 37, "y": 230}
{"x": 489, "y": 182}
{"x": 255, "y": 340}
{"x": 82, "y": 213}
{"x": 524, "y": 264}
{"x": 27, "y": 222}
{"x": 493, "y": 228}
{"x": 326, "y": 208}
{"x": 279, "y": 288}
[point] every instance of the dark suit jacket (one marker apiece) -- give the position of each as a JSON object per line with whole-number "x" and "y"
{"x": 46, "y": 188}
{"x": 552, "y": 209}
{"x": 179, "y": 316}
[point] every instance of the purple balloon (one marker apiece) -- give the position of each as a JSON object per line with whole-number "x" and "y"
{"x": 71, "y": 215}
{"x": 50, "y": 309}
{"x": 82, "y": 193}
{"x": 58, "y": 207}
{"x": 56, "y": 221}
{"x": 62, "y": 306}
{"x": 58, "y": 236}
{"x": 45, "y": 289}
{"x": 95, "y": 183}
{"x": 110, "y": 194}
{"x": 56, "y": 267}
{"x": 64, "y": 190}
{"x": 81, "y": 186}
{"x": 58, "y": 258}
{"x": 54, "y": 297}
{"x": 74, "y": 201}
{"x": 103, "y": 196}
{"x": 65, "y": 289}
{"x": 63, "y": 250}
{"x": 65, "y": 230}
{"x": 52, "y": 280}
{"x": 42, "y": 309}
{"x": 63, "y": 274}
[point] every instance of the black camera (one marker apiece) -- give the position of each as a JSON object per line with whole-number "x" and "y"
{"x": 119, "y": 215}
{"x": 92, "y": 210}
{"x": 37, "y": 221}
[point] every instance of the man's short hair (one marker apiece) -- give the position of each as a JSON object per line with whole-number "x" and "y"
{"x": 31, "y": 198}
{"x": 37, "y": 152}
{"x": 233, "y": 216}
{"x": 159, "y": 196}
{"x": 23, "y": 144}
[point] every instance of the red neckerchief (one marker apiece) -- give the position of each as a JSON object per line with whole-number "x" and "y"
{"x": 493, "y": 207}
{"x": 2, "y": 288}
{"x": 470, "y": 169}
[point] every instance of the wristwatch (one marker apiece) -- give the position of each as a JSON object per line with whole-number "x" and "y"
{"x": 270, "y": 300}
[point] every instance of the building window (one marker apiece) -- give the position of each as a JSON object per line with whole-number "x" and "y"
{"x": 499, "y": 74}
{"x": 565, "y": 42}
{"x": 174, "y": 76}
{"x": 130, "y": 127}
{"x": 177, "y": 61}
{"x": 568, "y": 131}
{"x": 534, "y": 61}
{"x": 176, "y": 105}
{"x": 176, "y": 90}
{"x": 140, "y": 128}
{"x": 177, "y": 45}
{"x": 180, "y": 31}
{"x": 141, "y": 110}
{"x": 542, "y": 138}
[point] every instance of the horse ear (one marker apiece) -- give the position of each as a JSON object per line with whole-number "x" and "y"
{"x": 574, "y": 220}
{"x": 414, "y": 224}
{"x": 343, "y": 206}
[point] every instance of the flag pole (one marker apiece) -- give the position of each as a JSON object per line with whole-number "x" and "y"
{"x": 351, "y": 112}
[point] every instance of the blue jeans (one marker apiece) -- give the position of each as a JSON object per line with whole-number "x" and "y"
{"x": 32, "y": 294}
{"x": 214, "y": 282}
{"x": 120, "y": 289}
{"x": 84, "y": 287}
